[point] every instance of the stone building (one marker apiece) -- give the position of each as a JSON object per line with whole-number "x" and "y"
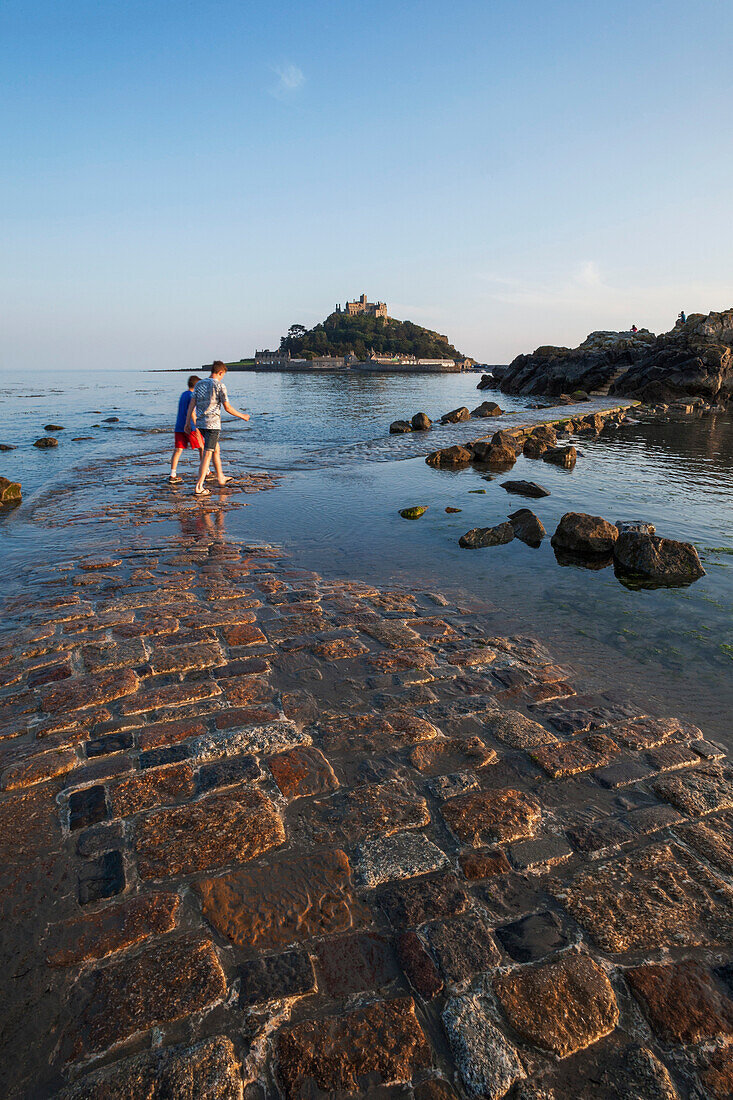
{"x": 373, "y": 309}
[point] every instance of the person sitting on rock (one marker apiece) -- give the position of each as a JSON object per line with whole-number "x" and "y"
{"x": 634, "y": 329}
{"x": 183, "y": 437}
{"x": 681, "y": 319}
{"x": 209, "y": 397}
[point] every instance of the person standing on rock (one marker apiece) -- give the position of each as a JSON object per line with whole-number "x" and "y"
{"x": 184, "y": 438}
{"x": 207, "y": 400}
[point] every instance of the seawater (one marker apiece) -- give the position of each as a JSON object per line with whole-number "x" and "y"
{"x": 344, "y": 480}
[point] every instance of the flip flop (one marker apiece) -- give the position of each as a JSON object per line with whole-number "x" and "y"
{"x": 203, "y": 493}
{"x": 175, "y": 480}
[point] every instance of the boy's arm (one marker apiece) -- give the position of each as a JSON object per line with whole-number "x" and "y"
{"x": 233, "y": 412}
{"x": 191, "y": 414}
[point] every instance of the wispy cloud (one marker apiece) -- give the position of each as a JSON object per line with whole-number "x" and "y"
{"x": 290, "y": 79}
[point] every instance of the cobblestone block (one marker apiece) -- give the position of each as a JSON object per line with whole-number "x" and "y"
{"x": 161, "y": 734}
{"x": 483, "y": 863}
{"x": 409, "y": 904}
{"x": 700, "y": 792}
{"x": 444, "y": 755}
{"x": 156, "y": 787}
{"x": 302, "y": 771}
{"x": 682, "y": 1001}
{"x": 485, "y": 816}
{"x": 83, "y": 692}
{"x": 487, "y": 1062}
{"x": 355, "y": 963}
{"x": 251, "y": 739}
{"x": 86, "y": 807}
{"x": 712, "y": 839}
{"x": 562, "y": 1007}
{"x": 276, "y": 978}
{"x": 165, "y": 983}
{"x": 102, "y": 878}
{"x": 383, "y": 1041}
{"x": 290, "y": 900}
{"x": 226, "y": 773}
{"x": 397, "y": 857}
{"x": 519, "y": 732}
{"x": 541, "y": 852}
{"x": 573, "y": 757}
{"x": 463, "y": 947}
{"x": 213, "y": 832}
{"x": 112, "y": 929}
{"x": 348, "y": 817}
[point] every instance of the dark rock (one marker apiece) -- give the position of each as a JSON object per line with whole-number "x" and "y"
{"x": 399, "y": 427}
{"x": 6, "y": 447}
{"x": 579, "y": 533}
{"x": 429, "y": 897}
{"x": 455, "y": 416}
{"x": 111, "y": 420}
{"x": 109, "y": 743}
{"x": 525, "y": 488}
{"x": 533, "y": 937}
{"x": 488, "y": 381}
{"x": 449, "y": 510}
{"x": 480, "y": 537}
{"x": 527, "y": 527}
{"x": 499, "y": 457}
{"x": 561, "y": 456}
{"x": 102, "y": 878}
{"x": 509, "y": 437}
{"x": 356, "y": 963}
{"x": 485, "y": 409}
{"x": 212, "y": 1065}
{"x": 53, "y": 427}
{"x": 275, "y": 977}
{"x": 87, "y": 806}
{"x": 449, "y": 458}
{"x": 558, "y": 371}
{"x": 225, "y": 773}
{"x": 463, "y": 947}
{"x": 636, "y": 525}
{"x": 655, "y": 559}
{"x": 9, "y": 492}
{"x": 46, "y": 441}
{"x": 421, "y": 422}
{"x": 419, "y": 968}
{"x": 579, "y": 395}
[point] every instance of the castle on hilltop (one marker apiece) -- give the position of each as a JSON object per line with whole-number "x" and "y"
{"x": 372, "y": 309}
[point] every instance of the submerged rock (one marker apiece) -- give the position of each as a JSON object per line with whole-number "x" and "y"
{"x": 454, "y": 509}
{"x": 9, "y": 492}
{"x": 561, "y": 456}
{"x": 449, "y": 457}
{"x": 485, "y": 409}
{"x": 6, "y": 447}
{"x": 399, "y": 427}
{"x": 579, "y": 533}
{"x": 456, "y": 416}
{"x": 421, "y": 422}
{"x": 53, "y": 427}
{"x": 111, "y": 420}
{"x": 46, "y": 441}
{"x": 480, "y": 537}
{"x": 414, "y": 513}
{"x": 525, "y": 488}
{"x": 527, "y": 527}
{"x": 652, "y": 558}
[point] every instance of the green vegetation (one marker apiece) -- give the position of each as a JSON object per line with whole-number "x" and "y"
{"x": 341, "y": 334}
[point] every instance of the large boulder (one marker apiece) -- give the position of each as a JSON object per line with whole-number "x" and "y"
{"x": 560, "y": 371}
{"x": 527, "y": 527}
{"x": 456, "y": 416}
{"x": 487, "y": 408}
{"x": 421, "y": 422}
{"x": 480, "y": 537}
{"x": 658, "y": 560}
{"x": 498, "y": 457}
{"x": 46, "y": 441}
{"x": 525, "y": 488}
{"x": 509, "y": 437}
{"x": 399, "y": 427}
{"x": 449, "y": 458}
{"x": 539, "y": 441}
{"x": 561, "y": 456}
{"x": 579, "y": 533}
{"x": 9, "y": 492}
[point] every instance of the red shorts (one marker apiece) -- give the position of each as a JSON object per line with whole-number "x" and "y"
{"x": 189, "y": 439}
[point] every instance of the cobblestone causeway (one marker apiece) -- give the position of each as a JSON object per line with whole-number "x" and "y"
{"x": 266, "y": 835}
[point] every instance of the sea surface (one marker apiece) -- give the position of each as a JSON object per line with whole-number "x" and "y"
{"x": 344, "y": 480}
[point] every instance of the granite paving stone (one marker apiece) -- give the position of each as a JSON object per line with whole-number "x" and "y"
{"x": 484, "y": 816}
{"x": 349, "y": 817}
{"x": 487, "y": 1062}
{"x": 302, "y": 771}
{"x": 112, "y": 929}
{"x": 700, "y": 792}
{"x": 397, "y": 857}
{"x": 560, "y": 1006}
{"x": 356, "y": 962}
{"x": 410, "y": 903}
{"x": 276, "y": 977}
{"x": 383, "y": 1041}
{"x": 534, "y": 936}
{"x": 463, "y": 946}
{"x": 683, "y": 1002}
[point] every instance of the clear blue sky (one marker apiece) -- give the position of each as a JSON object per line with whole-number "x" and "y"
{"x": 182, "y": 180}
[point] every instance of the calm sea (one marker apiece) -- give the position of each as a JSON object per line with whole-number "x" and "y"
{"x": 345, "y": 480}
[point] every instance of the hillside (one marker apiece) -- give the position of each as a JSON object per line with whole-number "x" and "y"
{"x": 340, "y": 334}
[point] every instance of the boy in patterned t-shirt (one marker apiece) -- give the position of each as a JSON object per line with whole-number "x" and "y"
{"x": 208, "y": 399}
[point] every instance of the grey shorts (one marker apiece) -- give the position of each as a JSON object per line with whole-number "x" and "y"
{"x": 211, "y": 438}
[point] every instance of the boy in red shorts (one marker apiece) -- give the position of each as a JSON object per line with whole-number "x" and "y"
{"x": 183, "y": 438}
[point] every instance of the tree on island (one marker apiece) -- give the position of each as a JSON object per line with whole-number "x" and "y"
{"x": 342, "y": 334}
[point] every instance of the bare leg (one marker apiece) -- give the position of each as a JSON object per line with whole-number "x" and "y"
{"x": 174, "y": 461}
{"x": 217, "y": 466}
{"x": 203, "y": 470}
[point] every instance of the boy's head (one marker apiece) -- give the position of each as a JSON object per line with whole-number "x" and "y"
{"x": 218, "y": 369}
{"x": 193, "y": 380}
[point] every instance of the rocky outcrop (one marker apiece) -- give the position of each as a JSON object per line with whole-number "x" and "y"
{"x": 480, "y": 537}
{"x": 487, "y": 408}
{"x": 561, "y": 456}
{"x": 657, "y": 560}
{"x": 692, "y": 359}
{"x": 527, "y": 527}
{"x": 449, "y": 458}
{"x": 421, "y": 422}
{"x": 579, "y": 533}
{"x": 9, "y": 493}
{"x": 455, "y": 416}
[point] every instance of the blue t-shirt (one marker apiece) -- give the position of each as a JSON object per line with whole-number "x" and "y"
{"x": 183, "y": 402}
